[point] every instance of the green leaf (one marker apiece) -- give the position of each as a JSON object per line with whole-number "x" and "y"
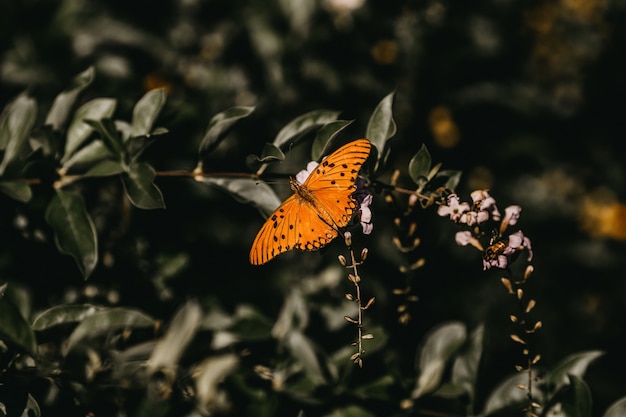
{"x": 75, "y": 233}
{"x": 350, "y": 411}
{"x": 381, "y": 125}
{"x": 60, "y": 110}
{"x": 617, "y": 409}
{"x": 87, "y": 156}
{"x": 78, "y": 130}
{"x": 16, "y": 122}
{"x": 573, "y": 365}
{"x": 325, "y": 135}
{"x": 180, "y": 332}
{"x": 109, "y": 135}
{"x": 105, "y": 169}
{"x": 304, "y": 351}
{"x": 440, "y": 345}
{"x": 146, "y": 111}
{"x": 219, "y": 126}
{"x": 465, "y": 367}
{"x": 270, "y": 153}
{"x": 18, "y": 190}
{"x": 137, "y": 144}
{"x": 506, "y": 394}
{"x": 450, "y": 178}
{"x": 293, "y": 130}
{"x": 248, "y": 191}
{"x": 105, "y": 321}
{"x": 572, "y": 400}
{"x": 63, "y": 314}
{"x": 140, "y": 188}
{"x": 209, "y": 374}
{"x": 379, "y": 389}
{"x": 14, "y": 328}
{"x": 419, "y": 165}
{"x": 250, "y": 324}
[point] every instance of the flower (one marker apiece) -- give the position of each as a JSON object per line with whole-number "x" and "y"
{"x": 500, "y": 253}
{"x": 304, "y": 174}
{"x": 465, "y": 238}
{"x": 484, "y": 202}
{"x": 454, "y": 209}
{"x": 511, "y": 215}
{"x": 364, "y": 199}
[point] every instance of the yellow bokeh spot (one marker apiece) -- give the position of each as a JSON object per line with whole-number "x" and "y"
{"x": 385, "y": 52}
{"x": 603, "y": 216}
{"x": 444, "y": 129}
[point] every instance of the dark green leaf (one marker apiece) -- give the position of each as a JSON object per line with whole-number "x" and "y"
{"x": 293, "y": 130}
{"x": 63, "y": 314}
{"x": 249, "y": 191}
{"x": 14, "y": 328}
{"x": 465, "y": 367}
{"x": 325, "y": 135}
{"x": 108, "y": 134}
{"x": 380, "y": 389}
{"x": 16, "y": 123}
{"x": 107, "y": 320}
{"x": 146, "y": 111}
{"x": 137, "y": 144}
{"x": 304, "y": 351}
{"x": 250, "y": 324}
{"x": 87, "y": 156}
{"x": 506, "y": 394}
{"x": 572, "y": 400}
{"x": 350, "y": 411}
{"x": 74, "y": 231}
{"x": 439, "y": 346}
{"x": 419, "y": 165}
{"x": 219, "y": 126}
{"x": 573, "y": 365}
{"x": 60, "y": 110}
{"x": 18, "y": 190}
{"x": 140, "y": 188}
{"x": 617, "y": 409}
{"x": 105, "y": 169}
{"x": 270, "y": 153}
{"x": 447, "y": 178}
{"x": 381, "y": 125}
{"x": 78, "y": 130}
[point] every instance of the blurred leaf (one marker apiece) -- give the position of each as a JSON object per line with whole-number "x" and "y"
{"x": 381, "y": 125}
{"x": 440, "y": 345}
{"x": 140, "y": 188}
{"x": 88, "y": 156}
{"x": 107, "y": 320}
{"x": 250, "y": 324}
{"x": 63, "y": 314}
{"x": 617, "y": 409}
{"x": 573, "y": 365}
{"x": 506, "y": 394}
{"x": 572, "y": 400}
{"x": 16, "y": 123}
{"x": 304, "y": 351}
{"x": 465, "y": 367}
{"x": 32, "y": 407}
{"x": 247, "y": 190}
{"x": 447, "y": 178}
{"x": 18, "y": 190}
{"x": 219, "y": 126}
{"x": 146, "y": 111}
{"x": 303, "y": 124}
{"x": 270, "y": 153}
{"x": 60, "y": 110}
{"x": 74, "y": 232}
{"x": 379, "y": 389}
{"x": 419, "y": 165}
{"x": 209, "y": 374}
{"x": 350, "y": 411}
{"x": 78, "y": 131}
{"x": 15, "y": 329}
{"x": 105, "y": 169}
{"x": 325, "y": 135}
{"x": 109, "y": 135}
{"x": 180, "y": 332}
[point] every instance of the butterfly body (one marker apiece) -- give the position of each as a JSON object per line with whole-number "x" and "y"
{"x": 319, "y": 207}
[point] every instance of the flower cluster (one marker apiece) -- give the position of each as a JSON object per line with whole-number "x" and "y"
{"x": 501, "y": 250}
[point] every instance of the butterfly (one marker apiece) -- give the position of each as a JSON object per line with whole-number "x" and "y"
{"x": 319, "y": 207}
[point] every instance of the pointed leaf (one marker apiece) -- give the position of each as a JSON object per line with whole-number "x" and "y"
{"x": 75, "y": 233}
{"x": 419, "y": 165}
{"x": 136, "y": 145}
{"x": 270, "y": 153}
{"x": 573, "y": 365}
{"x": 140, "y": 188}
{"x": 506, "y": 394}
{"x": 16, "y": 122}
{"x": 180, "y": 332}
{"x": 572, "y": 400}
{"x": 105, "y": 169}
{"x": 87, "y": 156}
{"x": 219, "y": 126}
{"x": 78, "y": 130}
{"x": 304, "y": 351}
{"x": 109, "y": 135}
{"x": 60, "y": 110}
{"x": 617, "y": 409}
{"x": 325, "y": 135}
{"x": 440, "y": 345}
{"x": 381, "y": 125}
{"x": 107, "y": 320}
{"x": 63, "y": 314}
{"x": 14, "y": 329}
{"x": 146, "y": 111}
{"x": 247, "y": 190}
{"x": 465, "y": 367}
{"x": 18, "y": 190}
{"x": 303, "y": 124}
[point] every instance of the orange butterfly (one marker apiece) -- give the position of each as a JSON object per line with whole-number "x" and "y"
{"x": 322, "y": 204}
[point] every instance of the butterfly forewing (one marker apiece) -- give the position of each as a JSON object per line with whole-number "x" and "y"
{"x": 309, "y": 219}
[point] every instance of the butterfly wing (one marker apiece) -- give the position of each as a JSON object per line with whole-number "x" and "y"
{"x": 309, "y": 219}
{"x": 333, "y": 182}
{"x": 292, "y": 226}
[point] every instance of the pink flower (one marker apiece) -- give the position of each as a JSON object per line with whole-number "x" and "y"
{"x": 454, "y": 209}
{"x": 502, "y": 252}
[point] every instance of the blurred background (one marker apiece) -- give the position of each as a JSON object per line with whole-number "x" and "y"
{"x": 524, "y": 97}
